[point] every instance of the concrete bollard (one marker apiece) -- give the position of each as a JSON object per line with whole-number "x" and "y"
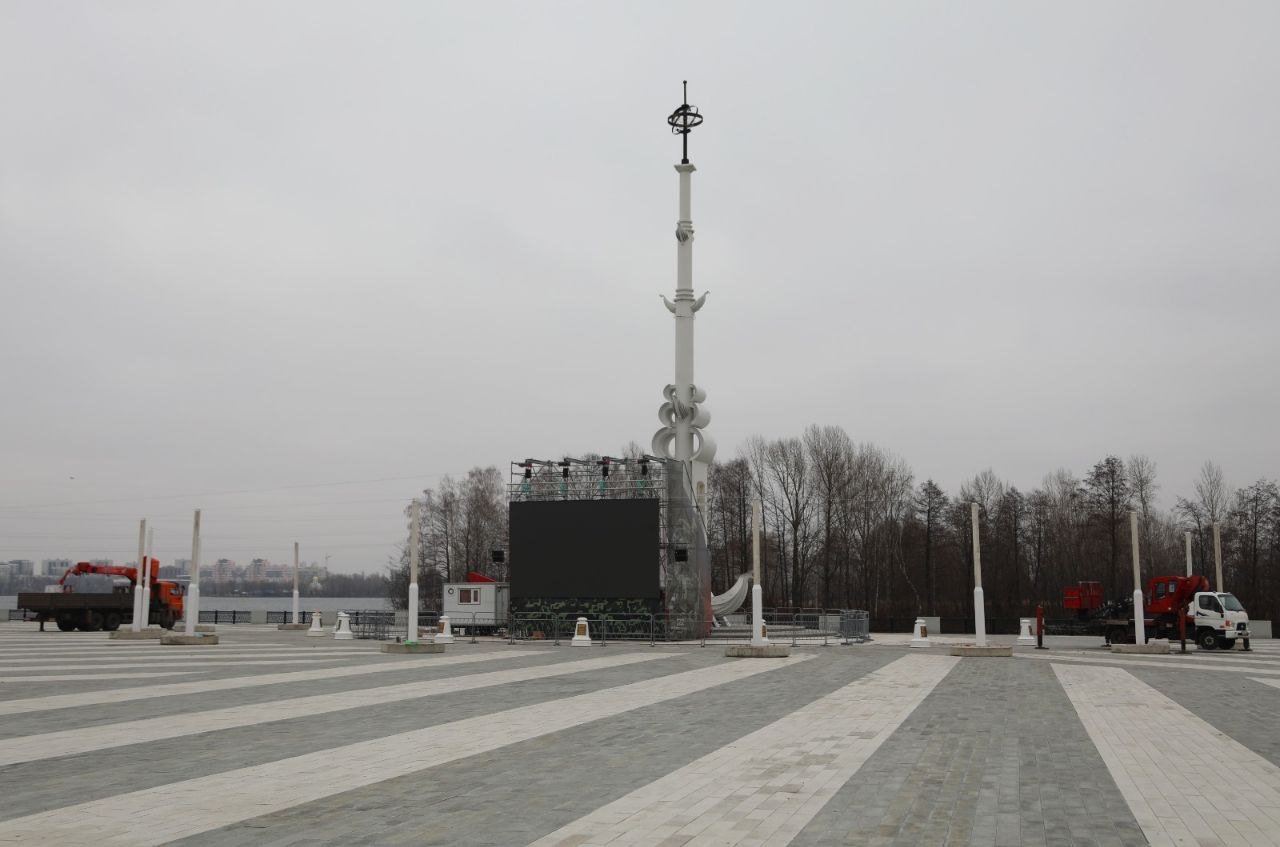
{"x": 316, "y": 631}
{"x": 920, "y": 635}
{"x": 444, "y": 635}
{"x": 1025, "y": 637}
{"x": 581, "y": 634}
{"x": 342, "y": 631}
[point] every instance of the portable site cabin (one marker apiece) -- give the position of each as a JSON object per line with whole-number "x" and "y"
{"x": 479, "y": 602}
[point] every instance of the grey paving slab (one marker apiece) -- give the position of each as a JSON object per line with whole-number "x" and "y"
{"x": 995, "y": 755}
{"x": 36, "y": 786}
{"x": 549, "y": 781}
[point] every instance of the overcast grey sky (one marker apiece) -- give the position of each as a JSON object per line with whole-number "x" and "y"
{"x": 253, "y": 245}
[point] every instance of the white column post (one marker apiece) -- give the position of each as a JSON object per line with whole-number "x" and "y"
{"x": 191, "y": 609}
{"x": 136, "y": 624}
{"x": 1217, "y": 555}
{"x": 1188, "y": 536}
{"x": 1139, "y": 611}
{"x": 413, "y": 572}
{"x": 295, "y": 582}
{"x": 757, "y": 591}
{"x": 979, "y": 603}
{"x": 146, "y": 578}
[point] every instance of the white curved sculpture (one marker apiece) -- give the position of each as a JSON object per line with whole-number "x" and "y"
{"x": 732, "y": 600}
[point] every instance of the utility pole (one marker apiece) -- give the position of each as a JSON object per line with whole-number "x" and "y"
{"x": 1217, "y": 554}
{"x": 1139, "y": 613}
{"x": 295, "y": 582}
{"x": 146, "y": 578}
{"x": 757, "y": 592}
{"x": 412, "y": 637}
{"x": 136, "y": 624}
{"x": 979, "y": 603}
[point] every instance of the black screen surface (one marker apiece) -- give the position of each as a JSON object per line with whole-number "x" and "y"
{"x": 584, "y": 548}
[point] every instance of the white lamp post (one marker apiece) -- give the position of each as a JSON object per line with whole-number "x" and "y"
{"x": 758, "y": 638}
{"x": 146, "y": 578}
{"x": 1217, "y": 554}
{"x": 979, "y": 603}
{"x": 295, "y": 582}
{"x": 1139, "y": 613}
{"x": 136, "y": 624}
{"x": 1188, "y": 537}
{"x": 413, "y": 572}
{"x": 192, "y": 607}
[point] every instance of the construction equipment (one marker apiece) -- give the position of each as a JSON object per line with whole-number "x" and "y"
{"x": 73, "y": 607}
{"x": 1215, "y": 620}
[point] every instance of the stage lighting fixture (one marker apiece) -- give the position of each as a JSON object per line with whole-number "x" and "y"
{"x": 499, "y": 556}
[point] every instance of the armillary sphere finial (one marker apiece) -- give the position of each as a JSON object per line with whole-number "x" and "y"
{"x": 683, "y": 120}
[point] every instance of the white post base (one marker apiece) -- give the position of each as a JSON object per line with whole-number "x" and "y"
{"x": 1139, "y": 618}
{"x": 758, "y": 638}
{"x": 1025, "y": 638}
{"x": 979, "y": 617}
{"x": 342, "y": 630}
{"x": 920, "y": 634}
{"x": 411, "y": 634}
{"x": 146, "y": 607}
{"x": 191, "y": 609}
{"x": 317, "y": 628}
{"x": 444, "y": 633}
{"x": 581, "y": 634}
{"x": 295, "y": 605}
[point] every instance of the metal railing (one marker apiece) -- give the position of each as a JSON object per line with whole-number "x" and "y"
{"x": 811, "y": 626}
{"x": 286, "y": 616}
{"x": 21, "y": 615}
{"x": 224, "y": 616}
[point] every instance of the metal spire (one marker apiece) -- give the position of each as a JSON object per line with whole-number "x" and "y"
{"x": 682, "y": 121}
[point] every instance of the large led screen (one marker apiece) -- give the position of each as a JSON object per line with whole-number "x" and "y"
{"x": 584, "y": 548}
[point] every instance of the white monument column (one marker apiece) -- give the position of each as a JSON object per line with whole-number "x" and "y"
{"x": 1217, "y": 555}
{"x": 1188, "y": 536}
{"x": 757, "y": 591}
{"x": 295, "y": 582}
{"x": 146, "y": 577}
{"x": 191, "y": 609}
{"x": 979, "y": 603}
{"x": 1139, "y": 612}
{"x": 682, "y": 415}
{"x": 412, "y": 636}
{"x": 136, "y": 624}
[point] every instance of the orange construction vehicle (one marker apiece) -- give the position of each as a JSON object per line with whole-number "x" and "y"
{"x": 103, "y": 610}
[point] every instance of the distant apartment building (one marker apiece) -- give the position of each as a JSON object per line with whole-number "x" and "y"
{"x": 224, "y": 570}
{"x": 277, "y": 573}
{"x": 107, "y": 562}
{"x": 257, "y": 569}
{"x": 22, "y": 567}
{"x": 54, "y": 567}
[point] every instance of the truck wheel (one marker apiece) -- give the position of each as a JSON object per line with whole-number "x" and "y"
{"x": 112, "y": 622}
{"x": 95, "y": 622}
{"x": 1207, "y": 639}
{"x": 166, "y": 620}
{"x": 1226, "y": 644}
{"x": 1117, "y": 635}
{"x": 66, "y": 624}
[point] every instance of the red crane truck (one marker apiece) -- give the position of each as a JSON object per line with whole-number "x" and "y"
{"x": 1215, "y": 620}
{"x": 103, "y": 610}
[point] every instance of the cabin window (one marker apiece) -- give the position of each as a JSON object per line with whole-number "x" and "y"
{"x": 469, "y": 596}
{"x": 1159, "y": 590}
{"x": 1210, "y": 603}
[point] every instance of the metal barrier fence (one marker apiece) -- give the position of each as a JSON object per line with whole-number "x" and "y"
{"x": 812, "y": 626}
{"x": 286, "y": 616}
{"x": 221, "y": 616}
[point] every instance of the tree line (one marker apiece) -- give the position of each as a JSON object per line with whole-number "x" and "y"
{"x": 846, "y": 525}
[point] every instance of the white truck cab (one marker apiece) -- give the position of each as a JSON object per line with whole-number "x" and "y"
{"x": 1220, "y": 620}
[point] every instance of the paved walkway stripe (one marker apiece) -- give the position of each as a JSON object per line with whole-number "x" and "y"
{"x": 120, "y": 695}
{"x": 1184, "y": 781}
{"x": 82, "y": 740}
{"x": 1169, "y": 664}
{"x": 133, "y": 651}
{"x": 84, "y": 677}
{"x": 186, "y": 808}
{"x": 194, "y": 664}
{"x": 1274, "y": 683}
{"x": 204, "y": 654}
{"x": 766, "y": 786}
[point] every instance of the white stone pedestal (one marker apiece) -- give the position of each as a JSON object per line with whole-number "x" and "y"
{"x": 1025, "y": 638}
{"x": 581, "y": 634}
{"x": 920, "y": 634}
{"x": 317, "y": 630}
{"x": 444, "y": 635}
{"x": 342, "y": 631}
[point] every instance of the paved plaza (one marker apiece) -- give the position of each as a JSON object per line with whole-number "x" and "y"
{"x": 275, "y": 738}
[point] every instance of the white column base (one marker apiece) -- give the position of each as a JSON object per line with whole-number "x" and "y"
{"x": 1025, "y": 638}
{"x": 979, "y": 617}
{"x": 295, "y": 605}
{"x": 317, "y": 627}
{"x": 411, "y": 635}
{"x": 919, "y": 634}
{"x": 758, "y": 638}
{"x": 1139, "y": 618}
{"x": 191, "y": 609}
{"x": 444, "y": 634}
{"x": 581, "y": 634}
{"x": 146, "y": 607}
{"x": 342, "y": 630}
